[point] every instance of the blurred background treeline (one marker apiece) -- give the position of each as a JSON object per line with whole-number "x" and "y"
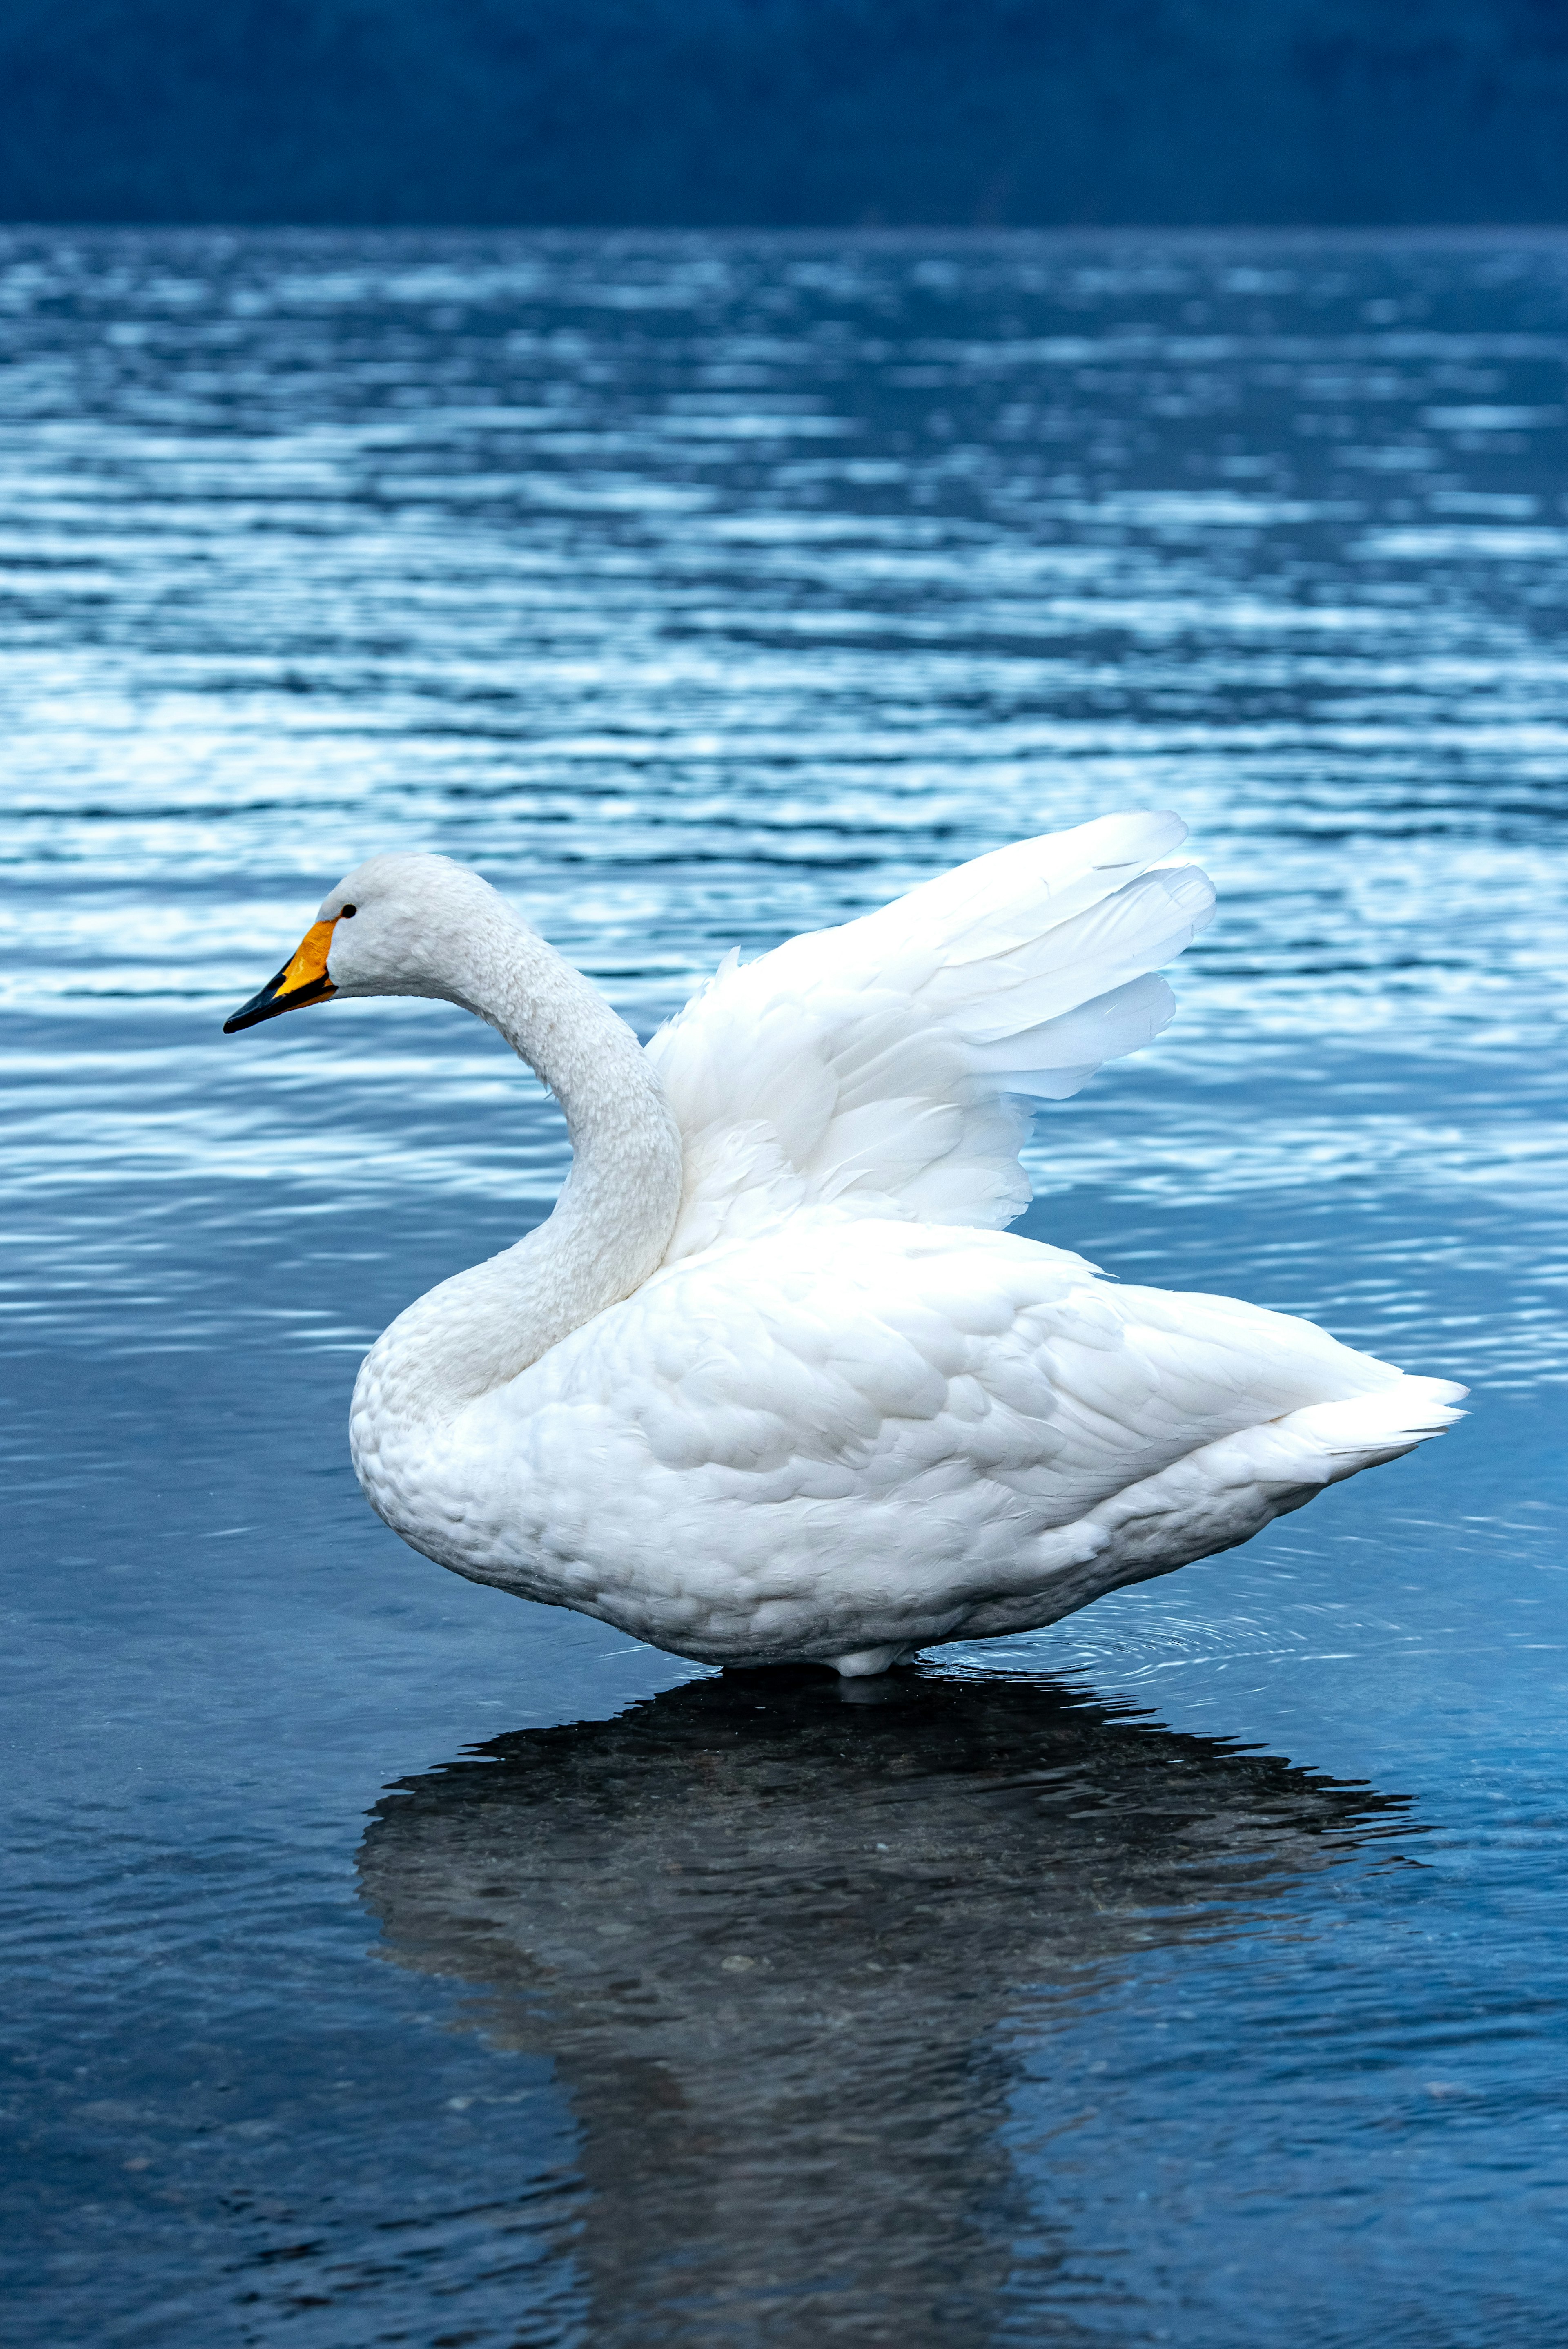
{"x": 784, "y": 112}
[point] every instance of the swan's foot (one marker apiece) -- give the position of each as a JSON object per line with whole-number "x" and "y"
{"x": 867, "y": 1661}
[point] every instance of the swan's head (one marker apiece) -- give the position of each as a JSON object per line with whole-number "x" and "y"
{"x": 395, "y": 925}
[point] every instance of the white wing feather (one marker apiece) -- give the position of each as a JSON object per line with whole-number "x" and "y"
{"x": 891, "y": 1066}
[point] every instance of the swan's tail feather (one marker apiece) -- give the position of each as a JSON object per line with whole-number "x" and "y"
{"x": 1367, "y": 1428}
{"x": 1220, "y": 1495}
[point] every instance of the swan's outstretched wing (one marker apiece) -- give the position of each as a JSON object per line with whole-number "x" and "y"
{"x": 889, "y": 1066}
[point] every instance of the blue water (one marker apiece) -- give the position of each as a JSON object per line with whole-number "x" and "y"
{"x": 1193, "y": 1971}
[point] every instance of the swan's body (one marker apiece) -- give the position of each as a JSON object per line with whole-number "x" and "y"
{"x": 769, "y": 1385}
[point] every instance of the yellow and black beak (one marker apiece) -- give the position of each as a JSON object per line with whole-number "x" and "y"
{"x": 303, "y": 980}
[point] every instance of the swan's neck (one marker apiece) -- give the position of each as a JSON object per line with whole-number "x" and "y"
{"x": 616, "y": 1211}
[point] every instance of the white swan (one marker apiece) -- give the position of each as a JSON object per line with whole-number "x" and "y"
{"x": 770, "y": 1385}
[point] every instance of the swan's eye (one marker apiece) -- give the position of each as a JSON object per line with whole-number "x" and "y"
{"x": 345, "y": 911}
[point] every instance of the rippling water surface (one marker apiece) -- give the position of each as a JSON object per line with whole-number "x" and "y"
{"x": 1193, "y": 1971}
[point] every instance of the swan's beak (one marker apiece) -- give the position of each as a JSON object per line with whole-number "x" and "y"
{"x": 303, "y": 980}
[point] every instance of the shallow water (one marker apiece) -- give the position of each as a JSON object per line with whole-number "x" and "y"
{"x": 1193, "y": 1971}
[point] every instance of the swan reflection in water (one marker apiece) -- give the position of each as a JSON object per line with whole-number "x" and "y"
{"x": 780, "y": 1937}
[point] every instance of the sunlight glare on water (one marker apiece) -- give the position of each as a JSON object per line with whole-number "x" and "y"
{"x": 1193, "y": 1971}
